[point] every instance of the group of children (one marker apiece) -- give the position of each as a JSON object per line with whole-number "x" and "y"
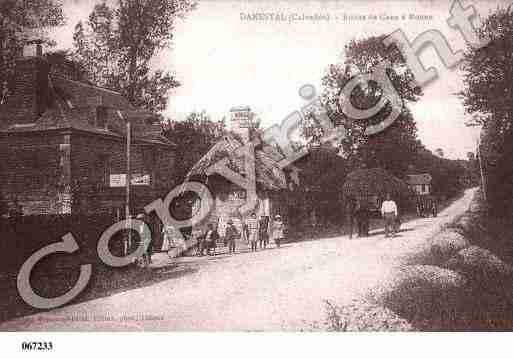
{"x": 254, "y": 231}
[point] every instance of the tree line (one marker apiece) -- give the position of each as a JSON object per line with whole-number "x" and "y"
{"x": 488, "y": 98}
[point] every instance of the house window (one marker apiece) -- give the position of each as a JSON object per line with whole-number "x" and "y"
{"x": 424, "y": 188}
{"x": 101, "y": 117}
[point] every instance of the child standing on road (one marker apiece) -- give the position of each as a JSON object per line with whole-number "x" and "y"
{"x": 167, "y": 238}
{"x": 231, "y": 236}
{"x": 253, "y": 229}
{"x": 277, "y": 230}
{"x": 263, "y": 234}
{"x": 211, "y": 237}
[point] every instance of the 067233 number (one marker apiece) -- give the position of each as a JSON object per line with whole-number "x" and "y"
{"x": 39, "y": 346}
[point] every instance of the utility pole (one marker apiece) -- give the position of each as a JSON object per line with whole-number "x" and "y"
{"x": 478, "y": 153}
{"x": 128, "y": 242}
{"x": 483, "y": 180}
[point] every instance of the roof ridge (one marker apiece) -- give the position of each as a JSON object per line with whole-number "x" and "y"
{"x": 88, "y": 85}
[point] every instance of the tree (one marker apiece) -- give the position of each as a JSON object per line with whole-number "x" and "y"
{"x": 18, "y": 22}
{"x": 488, "y": 93}
{"x": 439, "y": 152}
{"x": 116, "y": 46}
{"x": 321, "y": 175}
{"x": 194, "y": 137}
{"x": 450, "y": 177}
{"x": 93, "y": 42}
{"x": 19, "y": 19}
{"x": 393, "y": 148}
{"x": 396, "y": 149}
{"x": 474, "y": 169}
{"x": 324, "y": 170}
{"x": 488, "y": 97}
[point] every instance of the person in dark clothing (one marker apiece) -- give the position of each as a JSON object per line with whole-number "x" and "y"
{"x": 351, "y": 215}
{"x": 145, "y": 240}
{"x": 211, "y": 237}
{"x": 231, "y": 236}
{"x": 263, "y": 235}
{"x": 201, "y": 246}
{"x": 363, "y": 218}
{"x": 253, "y": 230}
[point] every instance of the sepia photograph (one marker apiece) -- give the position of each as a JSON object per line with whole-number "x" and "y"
{"x": 253, "y": 166}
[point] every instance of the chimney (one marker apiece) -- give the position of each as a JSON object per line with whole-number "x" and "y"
{"x": 241, "y": 121}
{"x": 28, "y": 96}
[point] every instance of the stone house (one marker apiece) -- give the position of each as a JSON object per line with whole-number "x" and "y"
{"x": 63, "y": 144}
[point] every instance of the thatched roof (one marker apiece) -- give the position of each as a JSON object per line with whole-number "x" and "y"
{"x": 268, "y": 173}
{"x": 374, "y": 182}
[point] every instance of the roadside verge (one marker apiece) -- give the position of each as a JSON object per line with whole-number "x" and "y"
{"x": 461, "y": 279}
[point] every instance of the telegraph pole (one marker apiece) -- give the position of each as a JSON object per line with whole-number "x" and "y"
{"x": 480, "y": 160}
{"x": 128, "y": 242}
{"x": 483, "y": 183}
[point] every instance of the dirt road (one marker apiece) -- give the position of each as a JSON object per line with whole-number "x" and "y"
{"x": 275, "y": 289}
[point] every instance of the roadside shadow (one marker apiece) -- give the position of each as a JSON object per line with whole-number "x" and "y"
{"x": 402, "y": 230}
{"x": 104, "y": 282}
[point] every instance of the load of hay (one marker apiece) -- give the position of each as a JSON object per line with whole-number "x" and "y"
{"x": 376, "y": 183}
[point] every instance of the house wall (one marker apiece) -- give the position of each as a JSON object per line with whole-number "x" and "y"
{"x": 26, "y": 100}
{"x": 41, "y": 170}
{"x": 228, "y": 199}
{"x": 30, "y": 171}
{"x": 34, "y": 172}
{"x": 95, "y": 158}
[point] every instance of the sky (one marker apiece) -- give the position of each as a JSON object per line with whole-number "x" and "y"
{"x": 224, "y": 57}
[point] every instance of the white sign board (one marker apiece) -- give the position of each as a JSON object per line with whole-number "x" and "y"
{"x": 119, "y": 180}
{"x": 243, "y": 117}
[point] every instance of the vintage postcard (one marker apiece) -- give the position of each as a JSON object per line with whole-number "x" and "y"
{"x": 283, "y": 166}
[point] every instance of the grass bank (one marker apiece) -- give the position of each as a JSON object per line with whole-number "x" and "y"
{"x": 462, "y": 280}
